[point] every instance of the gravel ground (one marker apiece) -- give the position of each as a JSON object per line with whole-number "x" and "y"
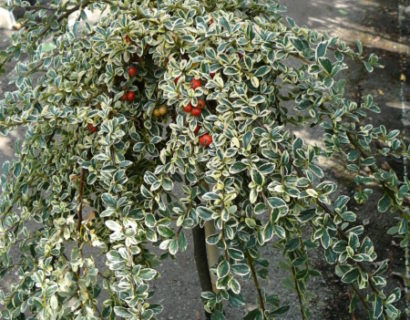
{"x": 383, "y": 27}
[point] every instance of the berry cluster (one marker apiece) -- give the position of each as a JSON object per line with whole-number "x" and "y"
{"x": 160, "y": 112}
{"x": 206, "y": 139}
{"x": 195, "y": 111}
{"x": 130, "y": 95}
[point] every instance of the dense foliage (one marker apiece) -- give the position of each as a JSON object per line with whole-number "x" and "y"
{"x": 170, "y": 114}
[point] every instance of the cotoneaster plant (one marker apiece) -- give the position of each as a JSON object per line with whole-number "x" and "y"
{"x": 110, "y": 132}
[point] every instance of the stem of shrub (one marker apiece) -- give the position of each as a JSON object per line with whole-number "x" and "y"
{"x": 201, "y": 260}
{"x": 211, "y": 251}
{"x": 256, "y": 282}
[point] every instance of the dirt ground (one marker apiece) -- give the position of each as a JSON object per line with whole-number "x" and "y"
{"x": 384, "y": 28}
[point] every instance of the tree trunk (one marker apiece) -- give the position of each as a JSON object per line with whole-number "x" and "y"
{"x": 201, "y": 260}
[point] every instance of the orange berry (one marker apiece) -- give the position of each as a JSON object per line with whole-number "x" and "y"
{"x": 163, "y": 110}
{"x": 156, "y": 113}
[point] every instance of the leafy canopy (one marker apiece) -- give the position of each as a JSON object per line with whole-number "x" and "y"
{"x": 99, "y": 175}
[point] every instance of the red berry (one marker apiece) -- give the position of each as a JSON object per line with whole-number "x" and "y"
{"x": 197, "y": 129}
{"x": 188, "y": 108}
{"x": 205, "y": 140}
{"x": 195, "y": 83}
{"x": 201, "y": 104}
{"x": 196, "y": 112}
{"x": 212, "y": 74}
{"x": 132, "y": 71}
{"x": 240, "y": 55}
{"x": 176, "y": 80}
{"x": 131, "y": 96}
{"x": 124, "y": 97}
{"x": 127, "y": 39}
{"x": 92, "y": 128}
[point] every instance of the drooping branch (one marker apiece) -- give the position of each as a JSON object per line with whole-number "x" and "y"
{"x": 299, "y": 292}
{"x": 261, "y": 299}
{"x": 80, "y": 201}
{"x": 340, "y": 233}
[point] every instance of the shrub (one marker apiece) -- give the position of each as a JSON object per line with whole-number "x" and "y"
{"x": 195, "y": 96}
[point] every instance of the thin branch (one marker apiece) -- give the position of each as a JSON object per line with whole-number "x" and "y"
{"x": 80, "y": 200}
{"x": 362, "y": 300}
{"x": 256, "y": 282}
{"x": 63, "y": 16}
{"x": 299, "y": 293}
{"x": 374, "y": 168}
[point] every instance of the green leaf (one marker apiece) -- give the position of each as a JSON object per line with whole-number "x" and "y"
{"x": 316, "y": 170}
{"x": 204, "y": 213}
{"x": 262, "y": 71}
{"x": 150, "y": 220}
{"x": 384, "y": 203}
{"x": 210, "y": 53}
{"x": 208, "y": 295}
{"x": 241, "y": 269}
{"x": 222, "y": 269}
{"x": 147, "y": 274}
{"x": 255, "y": 81}
{"x": 255, "y": 100}
{"x": 257, "y": 177}
{"x": 17, "y": 169}
{"x": 279, "y": 231}
{"x": 210, "y": 196}
{"x": 234, "y": 285}
{"x": 255, "y": 314}
{"x": 237, "y": 167}
{"x": 277, "y": 203}
{"x": 307, "y": 215}
{"x": 109, "y": 200}
{"x": 321, "y": 49}
{"x": 300, "y": 44}
{"x": 122, "y": 312}
{"x": 182, "y": 242}
{"x": 173, "y": 247}
{"x": 279, "y": 311}
{"x": 351, "y": 276}
{"x": 236, "y": 254}
{"x": 326, "y": 65}
{"x": 368, "y": 66}
{"x": 377, "y": 308}
{"x": 247, "y": 139}
{"x": 165, "y": 231}
{"x": 113, "y": 225}
{"x": 230, "y": 71}
{"x": 260, "y": 208}
{"x": 217, "y": 315}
